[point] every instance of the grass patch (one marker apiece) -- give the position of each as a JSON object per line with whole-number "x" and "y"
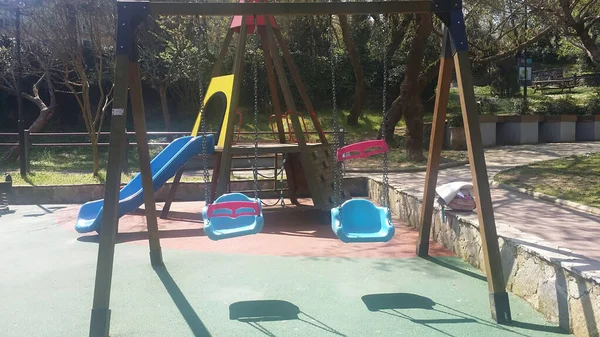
{"x": 52, "y": 178}
{"x": 575, "y": 178}
{"x": 397, "y": 160}
{"x": 45, "y": 178}
{"x": 73, "y": 165}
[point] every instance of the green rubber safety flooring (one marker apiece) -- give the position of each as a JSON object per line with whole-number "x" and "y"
{"x": 47, "y": 283}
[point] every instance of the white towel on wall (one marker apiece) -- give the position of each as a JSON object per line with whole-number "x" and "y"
{"x": 447, "y": 192}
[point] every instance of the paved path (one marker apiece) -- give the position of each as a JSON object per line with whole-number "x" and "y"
{"x": 559, "y": 226}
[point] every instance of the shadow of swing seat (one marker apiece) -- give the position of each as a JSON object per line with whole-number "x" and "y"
{"x": 263, "y": 311}
{"x": 393, "y": 302}
{"x": 255, "y": 312}
{"x": 378, "y": 302}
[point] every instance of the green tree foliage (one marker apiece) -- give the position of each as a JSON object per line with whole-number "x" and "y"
{"x": 171, "y": 50}
{"x": 177, "y": 53}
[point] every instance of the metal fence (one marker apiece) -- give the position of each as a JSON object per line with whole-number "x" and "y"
{"x": 35, "y": 139}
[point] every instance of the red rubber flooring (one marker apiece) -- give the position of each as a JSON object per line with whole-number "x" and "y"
{"x": 293, "y": 231}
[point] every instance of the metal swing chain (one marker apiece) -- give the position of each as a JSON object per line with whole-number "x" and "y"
{"x": 337, "y": 176}
{"x": 385, "y": 198}
{"x": 203, "y": 131}
{"x": 255, "y": 70}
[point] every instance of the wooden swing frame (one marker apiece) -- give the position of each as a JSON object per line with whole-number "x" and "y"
{"x": 454, "y": 55}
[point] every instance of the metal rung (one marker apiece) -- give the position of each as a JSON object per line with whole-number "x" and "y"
{"x": 238, "y": 169}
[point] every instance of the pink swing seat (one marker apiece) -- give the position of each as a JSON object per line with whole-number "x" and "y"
{"x": 362, "y": 149}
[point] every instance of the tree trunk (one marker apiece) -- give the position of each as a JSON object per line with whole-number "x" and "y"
{"x": 162, "y": 90}
{"x": 591, "y": 47}
{"x": 46, "y": 113}
{"x": 408, "y": 104}
{"x": 582, "y": 31}
{"x": 96, "y": 158}
{"x": 359, "y": 76}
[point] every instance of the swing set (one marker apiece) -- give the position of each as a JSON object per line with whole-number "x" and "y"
{"x": 236, "y": 214}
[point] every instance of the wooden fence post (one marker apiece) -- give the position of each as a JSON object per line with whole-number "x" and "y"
{"x": 341, "y": 137}
{"x": 26, "y": 151}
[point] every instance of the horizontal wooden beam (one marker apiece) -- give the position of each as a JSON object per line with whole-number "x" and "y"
{"x": 282, "y": 8}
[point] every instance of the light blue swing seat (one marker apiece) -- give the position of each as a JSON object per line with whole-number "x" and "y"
{"x": 232, "y": 215}
{"x": 361, "y": 221}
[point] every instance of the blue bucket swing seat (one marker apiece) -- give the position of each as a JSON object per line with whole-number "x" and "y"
{"x": 359, "y": 220}
{"x": 232, "y": 215}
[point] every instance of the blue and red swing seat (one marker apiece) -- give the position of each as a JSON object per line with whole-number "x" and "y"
{"x": 360, "y": 220}
{"x": 232, "y": 215}
{"x": 356, "y": 220}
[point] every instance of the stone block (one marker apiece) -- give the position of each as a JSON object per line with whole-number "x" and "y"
{"x": 587, "y": 130}
{"x": 527, "y": 277}
{"x": 557, "y": 132}
{"x": 516, "y": 133}
{"x": 488, "y": 134}
{"x": 508, "y": 256}
{"x": 584, "y": 308}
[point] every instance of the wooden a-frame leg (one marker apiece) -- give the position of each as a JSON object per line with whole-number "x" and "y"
{"x": 139, "y": 121}
{"x": 485, "y": 212}
{"x": 435, "y": 145}
{"x": 299, "y": 84}
{"x": 238, "y": 65}
{"x": 219, "y": 62}
{"x": 164, "y": 214}
{"x": 285, "y": 88}
{"x": 100, "y": 320}
{"x": 128, "y": 17}
{"x": 291, "y": 176}
{"x": 289, "y": 102}
{"x": 215, "y": 176}
{"x": 272, "y": 86}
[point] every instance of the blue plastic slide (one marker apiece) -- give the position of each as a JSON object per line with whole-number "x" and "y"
{"x": 164, "y": 166}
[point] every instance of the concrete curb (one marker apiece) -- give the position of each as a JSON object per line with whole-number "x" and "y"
{"x": 408, "y": 169}
{"x": 549, "y": 198}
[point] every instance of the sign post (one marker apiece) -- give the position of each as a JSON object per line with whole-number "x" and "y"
{"x": 525, "y": 76}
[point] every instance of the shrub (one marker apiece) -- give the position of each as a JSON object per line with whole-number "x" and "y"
{"x": 487, "y": 106}
{"x": 592, "y": 105}
{"x": 521, "y": 108}
{"x": 562, "y": 106}
{"x": 504, "y": 80}
{"x": 454, "y": 116}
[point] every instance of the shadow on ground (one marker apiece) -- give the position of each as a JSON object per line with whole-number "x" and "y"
{"x": 183, "y": 305}
{"x": 396, "y": 304}
{"x": 255, "y": 312}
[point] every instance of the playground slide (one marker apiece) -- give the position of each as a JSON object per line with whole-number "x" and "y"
{"x": 164, "y": 166}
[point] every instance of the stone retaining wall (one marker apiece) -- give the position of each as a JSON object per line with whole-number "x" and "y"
{"x": 563, "y": 286}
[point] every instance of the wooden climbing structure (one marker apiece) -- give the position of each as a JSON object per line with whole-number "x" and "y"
{"x": 292, "y": 137}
